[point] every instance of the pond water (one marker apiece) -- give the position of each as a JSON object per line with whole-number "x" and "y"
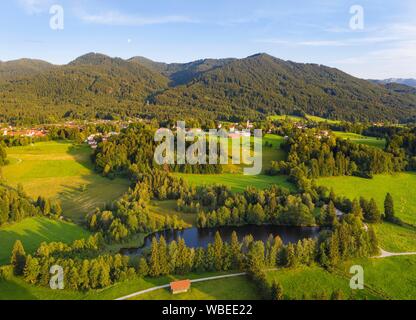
{"x": 196, "y": 238}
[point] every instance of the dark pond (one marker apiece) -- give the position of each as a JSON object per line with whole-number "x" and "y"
{"x": 196, "y": 238}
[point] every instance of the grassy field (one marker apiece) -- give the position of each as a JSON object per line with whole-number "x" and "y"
{"x": 33, "y": 231}
{"x": 360, "y": 139}
{"x": 168, "y": 208}
{"x": 238, "y": 288}
{"x": 399, "y": 185}
{"x": 273, "y": 153}
{"x": 64, "y": 171}
{"x": 394, "y": 238}
{"x": 314, "y": 283}
{"x": 15, "y": 288}
{"x": 307, "y": 117}
{"x": 393, "y": 278}
{"x": 237, "y": 182}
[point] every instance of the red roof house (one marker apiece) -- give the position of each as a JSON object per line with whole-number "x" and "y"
{"x": 180, "y": 286}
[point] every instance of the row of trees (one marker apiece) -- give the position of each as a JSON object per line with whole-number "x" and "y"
{"x": 3, "y": 156}
{"x": 15, "y": 205}
{"x": 312, "y": 155}
{"x": 131, "y": 213}
{"x": 79, "y": 274}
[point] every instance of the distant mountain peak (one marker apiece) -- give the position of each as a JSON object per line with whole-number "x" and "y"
{"x": 408, "y": 82}
{"x": 91, "y": 58}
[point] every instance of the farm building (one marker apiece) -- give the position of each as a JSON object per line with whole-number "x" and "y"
{"x": 180, "y": 286}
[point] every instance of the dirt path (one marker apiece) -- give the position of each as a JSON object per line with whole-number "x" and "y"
{"x": 192, "y": 281}
{"x": 386, "y": 254}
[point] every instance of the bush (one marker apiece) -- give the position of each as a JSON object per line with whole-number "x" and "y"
{"x": 6, "y": 272}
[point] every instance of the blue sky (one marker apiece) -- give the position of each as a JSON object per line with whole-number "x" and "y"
{"x": 315, "y": 31}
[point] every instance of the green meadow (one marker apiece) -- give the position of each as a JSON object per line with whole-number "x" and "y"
{"x": 395, "y": 238}
{"x": 237, "y": 288}
{"x": 360, "y": 139}
{"x": 64, "y": 171}
{"x": 33, "y": 231}
{"x": 303, "y": 119}
{"x": 391, "y": 278}
{"x": 234, "y": 177}
{"x": 16, "y": 288}
{"x": 313, "y": 283}
{"x": 168, "y": 208}
{"x": 237, "y": 182}
{"x": 401, "y": 186}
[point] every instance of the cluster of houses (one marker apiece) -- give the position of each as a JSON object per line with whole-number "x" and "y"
{"x": 31, "y": 133}
{"x": 233, "y": 131}
{"x": 95, "y": 138}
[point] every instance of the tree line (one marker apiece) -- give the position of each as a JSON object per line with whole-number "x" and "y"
{"x": 15, "y": 205}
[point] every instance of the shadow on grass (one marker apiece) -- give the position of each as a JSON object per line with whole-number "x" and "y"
{"x": 45, "y": 231}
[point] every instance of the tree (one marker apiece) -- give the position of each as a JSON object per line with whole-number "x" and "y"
{"x": 357, "y": 210}
{"x": 331, "y": 215}
{"x": 255, "y": 258}
{"x": 218, "y": 250}
{"x": 3, "y": 155}
{"x": 389, "y": 214}
{"x": 18, "y": 259}
{"x": 276, "y": 291}
{"x": 31, "y": 270}
{"x": 235, "y": 248}
{"x": 163, "y": 256}
{"x": 373, "y": 214}
{"x": 154, "y": 266}
{"x": 143, "y": 268}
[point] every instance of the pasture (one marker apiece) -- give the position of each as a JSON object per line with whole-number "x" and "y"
{"x": 33, "y": 231}
{"x": 303, "y": 119}
{"x": 233, "y": 175}
{"x": 391, "y": 278}
{"x": 306, "y": 283}
{"x": 400, "y": 186}
{"x": 237, "y": 182}
{"x": 360, "y": 139}
{"x": 241, "y": 288}
{"x": 64, "y": 171}
{"x": 394, "y": 238}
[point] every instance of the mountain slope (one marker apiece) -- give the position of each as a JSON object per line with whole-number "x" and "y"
{"x": 182, "y": 73}
{"x": 95, "y": 85}
{"x": 262, "y": 83}
{"x": 22, "y": 68}
{"x": 90, "y": 85}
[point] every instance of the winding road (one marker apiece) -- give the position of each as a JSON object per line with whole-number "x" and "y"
{"x": 192, "y": 281}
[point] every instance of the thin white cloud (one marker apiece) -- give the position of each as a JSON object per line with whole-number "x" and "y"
{"x": 35, "y": 6}
{"x": 115, "y": 18}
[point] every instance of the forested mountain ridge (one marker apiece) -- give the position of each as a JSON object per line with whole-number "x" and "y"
{"x": 95, "y": 85}
{"x": 182, "y": 73}
{"x": 89, "y": 85}
{"x": 264, "y": 84}
{"x": 22, "y": 68}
